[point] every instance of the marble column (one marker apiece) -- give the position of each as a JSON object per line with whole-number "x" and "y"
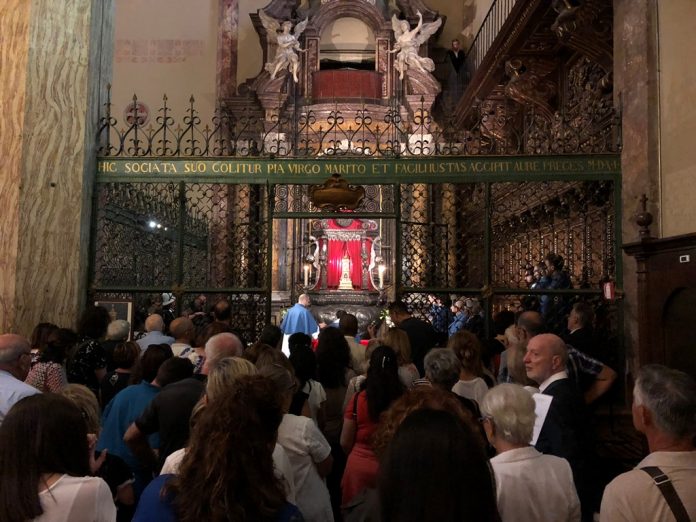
{"x": 55, "y": 60}
{"x": 636, "y": 92}
{"x": 228, "y": 35}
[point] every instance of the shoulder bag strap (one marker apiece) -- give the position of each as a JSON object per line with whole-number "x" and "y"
{"x": 666, "y": 487}
{"x": 355, "y": 406}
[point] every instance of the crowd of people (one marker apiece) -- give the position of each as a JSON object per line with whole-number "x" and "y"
{"x": 414, "y": 420}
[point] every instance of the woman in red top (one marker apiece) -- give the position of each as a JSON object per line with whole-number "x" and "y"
{"x": 361, "y": 418}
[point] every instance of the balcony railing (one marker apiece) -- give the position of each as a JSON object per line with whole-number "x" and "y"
{"x": 487, "y": 33}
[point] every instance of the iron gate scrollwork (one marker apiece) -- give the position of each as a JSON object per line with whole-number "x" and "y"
{"x": 188, "y": 238}
{"x": 511, "y": 245}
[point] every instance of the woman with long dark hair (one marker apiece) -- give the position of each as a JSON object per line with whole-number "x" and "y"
{"x": 334, "y": 373}
{"x": 227, "y": 472}
{"x": 125, "y": 357}
{"x": 45, "y": 458}
{"x": 48, "y": 373}
{"x": 87, "y": 362}
{"x": 435, "y": 470}
{"x": 304, "y": 361}
{"x": 39, "y": 339}
{"x": 379, "y": 389}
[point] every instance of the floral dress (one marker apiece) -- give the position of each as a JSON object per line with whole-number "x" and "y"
{"x": 47, "y": 377}
{"x": 88, "y": 358}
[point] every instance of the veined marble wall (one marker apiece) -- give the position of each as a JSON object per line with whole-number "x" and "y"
{"x": 14, "y": 55}
{"x": 52, "y": 61}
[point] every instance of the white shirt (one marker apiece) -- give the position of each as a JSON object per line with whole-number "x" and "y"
{"x": 317, "y": 396}
{"x": 305, "y": 445}
{"x": 357, "y": 354}
{"x": 12, "y": 391}
{"x": 474, "y": 389}
{"x": 533, "y": 487}
{"x": 77, "y": 499}
{"x": 555, "y": 377}
{"x": 179, "y": 348}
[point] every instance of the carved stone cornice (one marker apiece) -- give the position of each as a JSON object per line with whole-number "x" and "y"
{"x": 529, "y": 83}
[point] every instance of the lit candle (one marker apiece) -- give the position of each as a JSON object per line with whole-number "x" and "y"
{"x": 380, "y": 270}
{"x": 306, "y": 275}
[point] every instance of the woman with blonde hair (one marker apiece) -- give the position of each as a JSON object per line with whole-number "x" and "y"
{"x": 225, "y": 373}
{"x": 467, "y": 348}
{"x": 398, "y": 340}
{"x": 220, "y": 380}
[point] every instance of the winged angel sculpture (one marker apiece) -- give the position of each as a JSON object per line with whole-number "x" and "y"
{"x": 279, "y": 33}
{"x": 408, "y": 41}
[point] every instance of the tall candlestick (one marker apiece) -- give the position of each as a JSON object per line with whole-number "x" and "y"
{"x": 306, "y": 275}
{"x": 380, "y": 270}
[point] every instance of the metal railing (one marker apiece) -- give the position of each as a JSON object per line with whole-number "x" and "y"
{"x": 487, "y": 33}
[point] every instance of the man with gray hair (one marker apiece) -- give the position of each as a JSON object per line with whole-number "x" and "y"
{"x": 442, "y": 368}
{"x": 225, "y": 344}
{"x": 662, "y": 486}
{"x": 154, "y": 325}
{"x": 15, "y": 360}
{"x": 116, "y": 333}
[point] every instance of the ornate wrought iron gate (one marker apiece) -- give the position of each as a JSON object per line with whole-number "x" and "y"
{"x": 477, "y": 236}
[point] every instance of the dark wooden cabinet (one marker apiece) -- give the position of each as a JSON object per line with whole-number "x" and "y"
{"x": 666, "y": 272}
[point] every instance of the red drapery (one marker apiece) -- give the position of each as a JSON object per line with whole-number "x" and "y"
{"x": 335, "y": 255}
{"x": 335, "y": 250}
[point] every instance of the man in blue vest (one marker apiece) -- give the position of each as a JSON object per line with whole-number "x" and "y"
{"x": 298, "y": 319}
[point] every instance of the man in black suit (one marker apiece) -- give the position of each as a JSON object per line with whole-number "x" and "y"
{"x": 565, "y": 432}
{"x": 580, "y": 332}
{"x": 420, "y": 334}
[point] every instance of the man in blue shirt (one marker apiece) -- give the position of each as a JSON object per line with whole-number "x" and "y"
{"x": 154, "y": 324}
{"x": 460, "y": 318}
{"x": 15, "y": 360}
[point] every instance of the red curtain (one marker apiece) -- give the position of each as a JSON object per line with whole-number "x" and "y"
{"x": 335, "y": 253}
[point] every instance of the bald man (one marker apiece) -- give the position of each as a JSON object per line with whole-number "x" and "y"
{"x": 15, "y": 360}
{"x": 298, "y": 319}
{"x": 154, "y": 326}
{"x": 182, "y": 330}
{"x": 565, "y": 432}
{"x": 225, "y": 344}
{"x": 592, "y": 377}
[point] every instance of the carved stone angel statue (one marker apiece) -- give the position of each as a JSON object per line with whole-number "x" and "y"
{"x": 408, "y": 42}
{"x": 287, "y": 42}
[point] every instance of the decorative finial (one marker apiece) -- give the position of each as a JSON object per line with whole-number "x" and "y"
{"x": 644, "y": 219}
